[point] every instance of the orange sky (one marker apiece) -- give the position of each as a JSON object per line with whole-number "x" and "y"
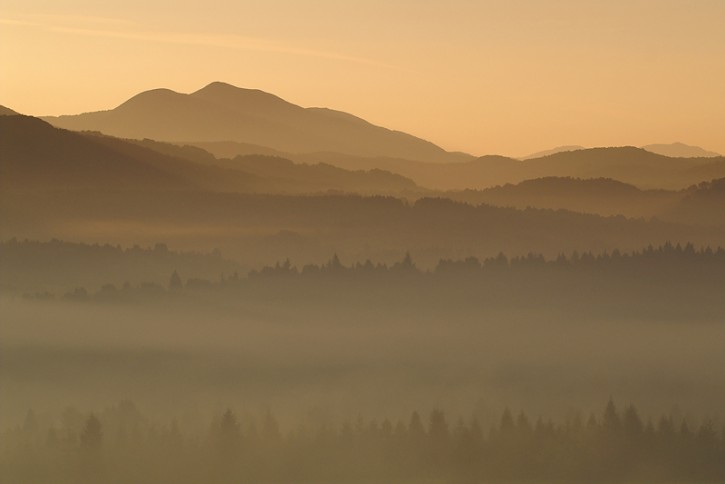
{"x": 488, "y": 76}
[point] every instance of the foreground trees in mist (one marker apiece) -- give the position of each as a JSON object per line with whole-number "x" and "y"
{"x": 123, "y": 446}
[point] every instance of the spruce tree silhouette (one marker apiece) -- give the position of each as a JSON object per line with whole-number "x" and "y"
{"x": 175, "y": 283}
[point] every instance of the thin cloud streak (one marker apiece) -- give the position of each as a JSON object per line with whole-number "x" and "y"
{"x": 21, "y": 23}
{"x": 82, "y": 19}
{"x": 227, "y": 41}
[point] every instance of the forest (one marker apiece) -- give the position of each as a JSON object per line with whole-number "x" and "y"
{"x": 121, "y": 444}
{"x": 669, "y": 282}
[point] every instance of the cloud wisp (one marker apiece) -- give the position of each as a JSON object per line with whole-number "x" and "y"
{"x": 102, "y": 27}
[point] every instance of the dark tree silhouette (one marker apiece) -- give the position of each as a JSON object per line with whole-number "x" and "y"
{"x": 92, "y": 434}
{"x": 175, "y": 282}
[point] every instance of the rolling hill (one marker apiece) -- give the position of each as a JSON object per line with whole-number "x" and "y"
{"x": 601, "y": 196}
{"x": 34, "y": 155}
{"x": 629, "y": 165}
{"x": 702, "y": 204}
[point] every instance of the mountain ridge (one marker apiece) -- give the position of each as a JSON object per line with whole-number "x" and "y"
{"x": 222, "y": 112}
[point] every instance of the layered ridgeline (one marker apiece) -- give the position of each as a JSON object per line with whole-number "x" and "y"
{"x": 35, "y": 155}
{"x": 603, "y": 196}
{"x": 229, "y": 121}
{"x": 221, "y": 112}
{"x": 261, "y": 209}
{"x": 699, "y": 204}
{"x": 673, "y": 150}
{"x": 631, "y": 165}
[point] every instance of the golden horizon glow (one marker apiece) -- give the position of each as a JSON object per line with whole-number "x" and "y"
{"x": 509, "y": 77}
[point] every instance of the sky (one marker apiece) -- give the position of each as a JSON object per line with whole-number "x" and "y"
{"x": 504, "y": 77}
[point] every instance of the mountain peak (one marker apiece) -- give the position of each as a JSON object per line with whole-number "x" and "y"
{"x": 152, "y": 98}
{"x": 223, "y": 112}
{"x": 219, "y": 86}
{"x": 227, "y": 94}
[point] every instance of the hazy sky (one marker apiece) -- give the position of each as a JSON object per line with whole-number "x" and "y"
{"x": 486, "y": 76}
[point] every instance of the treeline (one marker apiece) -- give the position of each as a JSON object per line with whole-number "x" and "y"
{"x": 667, "y": 258}
{"x": 33, "y": 266}
{"x": 666, "y": 282}
{"x": 251, "y": 228}
{"x": 121, "y": 445}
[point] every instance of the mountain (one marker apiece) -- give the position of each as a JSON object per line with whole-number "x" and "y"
{"x": 558, "y": 149}
{"x": 7, "y": 111}
{"x": 680, "y": 150}
{"x": 222, "y": 112}
{"x": 601, "y": 196}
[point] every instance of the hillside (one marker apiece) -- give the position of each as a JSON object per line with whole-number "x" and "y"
{"x": 602, "y": 196}
{"x": 634, "y": 166}
{"x": 629, "y": 165}
{"x": 701, "y": 204}
{"x": 7, "y": 111}
{"x": 221, "y": 112}
{"x": 34, "y": 155}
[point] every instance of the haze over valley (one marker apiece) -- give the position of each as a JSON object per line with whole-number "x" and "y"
{"x": 428, "y": 243}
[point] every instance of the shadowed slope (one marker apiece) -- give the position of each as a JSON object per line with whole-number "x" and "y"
{"x": 33, "y": 154}
{"x": 7, "y": 111}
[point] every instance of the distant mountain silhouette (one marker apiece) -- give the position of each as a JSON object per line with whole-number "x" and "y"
{"x": 680, "y": 150}
{"x": 553, "y": 151}
{"x": 221, "y": 112}
{"x": 7, "y": 111}
{"x": 35, "y": 155}
{"x": 630, "y": 165}
{"x": 702, "y": 204}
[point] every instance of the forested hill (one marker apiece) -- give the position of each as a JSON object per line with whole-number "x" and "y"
{"x": 661, "y": 283}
